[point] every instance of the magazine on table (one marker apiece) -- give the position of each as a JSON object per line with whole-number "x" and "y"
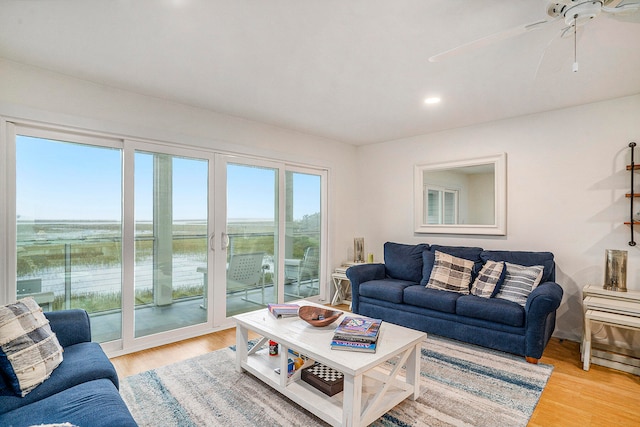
{"x": 358, "y": 329}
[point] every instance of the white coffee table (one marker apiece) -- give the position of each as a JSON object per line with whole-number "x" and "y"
{"x": 369, "y": 390}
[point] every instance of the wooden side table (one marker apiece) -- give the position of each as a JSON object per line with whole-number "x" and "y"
{"x": 612, "y": 308}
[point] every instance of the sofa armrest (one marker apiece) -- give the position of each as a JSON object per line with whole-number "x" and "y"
{"x": 358, "y": 274}
{"x": 540, "y": 311}
{"x": 70, "y": 326}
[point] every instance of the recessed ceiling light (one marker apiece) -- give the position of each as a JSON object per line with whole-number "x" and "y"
{"x": 432, "y": 100}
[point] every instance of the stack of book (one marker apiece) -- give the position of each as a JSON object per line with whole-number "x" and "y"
{"x": 357, "y": 334}
{"x": 283, "y": 310}
{"x": 342, "y": 269}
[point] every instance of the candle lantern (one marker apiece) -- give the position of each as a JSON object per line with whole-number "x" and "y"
{"x": 615, "y": 270}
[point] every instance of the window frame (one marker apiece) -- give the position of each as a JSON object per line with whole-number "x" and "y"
{"x": 441, "y": 208}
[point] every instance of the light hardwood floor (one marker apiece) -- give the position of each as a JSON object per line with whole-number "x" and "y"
{"x": 572, "y": 397}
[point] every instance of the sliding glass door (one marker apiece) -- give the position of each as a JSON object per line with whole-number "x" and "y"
{"x": 302, "y": 234}
{"x": 251, "y": 237}
{"x": 171, "y": 221}
{"x": 69, "y": 225}
{"x": 273, "y": 233}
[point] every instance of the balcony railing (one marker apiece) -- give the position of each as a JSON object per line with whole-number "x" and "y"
{"x": 87, "y": 272}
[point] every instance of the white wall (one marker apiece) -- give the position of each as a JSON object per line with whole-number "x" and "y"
{"x": 482, "y": 196}
{"x": 36, "y": 94}
{"x": 565, "y": 191}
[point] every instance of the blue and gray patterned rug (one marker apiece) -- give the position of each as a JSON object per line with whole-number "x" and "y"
{"x": 462, "y": 385}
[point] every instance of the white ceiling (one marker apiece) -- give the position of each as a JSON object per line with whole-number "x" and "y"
{"x": 351, "y": 70}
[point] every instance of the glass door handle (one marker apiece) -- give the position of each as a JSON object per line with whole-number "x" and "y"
{"x": 224, "y": 240}
{"x": 212, "y": 242}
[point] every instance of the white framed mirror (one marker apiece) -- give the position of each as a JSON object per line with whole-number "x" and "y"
{"x": 462, "y": 197}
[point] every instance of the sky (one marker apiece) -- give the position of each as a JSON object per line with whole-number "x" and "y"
{"x": 67, "y": 181}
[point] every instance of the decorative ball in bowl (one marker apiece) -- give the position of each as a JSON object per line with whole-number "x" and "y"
{"x": 318, "y": 316}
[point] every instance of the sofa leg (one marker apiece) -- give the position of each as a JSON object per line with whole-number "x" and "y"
{"x": 532, "y": 360}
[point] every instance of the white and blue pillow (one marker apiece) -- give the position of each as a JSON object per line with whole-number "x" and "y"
{"x": 29, "y": 350}
{"x": 519, "y": 282}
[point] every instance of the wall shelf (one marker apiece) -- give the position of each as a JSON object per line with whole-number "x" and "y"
{"x": 632, "y": 194}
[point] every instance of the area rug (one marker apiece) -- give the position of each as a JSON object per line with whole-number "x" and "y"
{"x": 461, "y": 385}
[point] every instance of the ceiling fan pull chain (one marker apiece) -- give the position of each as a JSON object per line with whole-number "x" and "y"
{"x": 575, "y": 45}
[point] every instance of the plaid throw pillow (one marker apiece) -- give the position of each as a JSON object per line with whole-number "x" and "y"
{"x": 487, "y": 279}
{"x": 29, "y": 350}
{"x": 450, "y": 273}
{"x": 519, "y": 282}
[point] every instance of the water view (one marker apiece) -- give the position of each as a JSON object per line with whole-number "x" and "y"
{"x": 80, "y": 261}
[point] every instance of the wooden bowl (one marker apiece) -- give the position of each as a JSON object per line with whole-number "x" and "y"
{"x": 318, "y": 316}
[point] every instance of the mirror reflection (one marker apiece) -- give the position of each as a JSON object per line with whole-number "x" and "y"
{"x": 462, "y": 197}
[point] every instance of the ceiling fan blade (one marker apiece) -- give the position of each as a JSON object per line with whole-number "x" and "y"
{"x": 488, "y": 40}
{"x": 628, "y": 12}
{"x": 626, "y": 8}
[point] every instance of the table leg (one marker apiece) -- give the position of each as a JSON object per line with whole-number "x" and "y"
{"x": 352, "y": 401}
{"x": 242, "y": 349}
{"x": 586, "y": 344}
{"x": 337, "y": 284}
{"x": 413, "y": 370}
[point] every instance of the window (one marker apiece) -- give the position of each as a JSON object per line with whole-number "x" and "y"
{"x": 441, "y": 205}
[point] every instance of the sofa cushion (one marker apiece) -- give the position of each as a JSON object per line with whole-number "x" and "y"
{"x": 491, "y": 309}
{"x": 486, "y": 283}
{"x": 432, "y": 299}
{"x": 95, "y": 403}
{"x": 428, "y": 259}
{"x": 450, "y": 273}
{"x": 519, "y": 281}
{"x": 525, "y": 258}
{"x": 29, "y": 350}
{"x": 4, "y": 383}
{"x": 386, "y": 289}
{"x": 404, "y": 262}
{"x": 82, "y": 362}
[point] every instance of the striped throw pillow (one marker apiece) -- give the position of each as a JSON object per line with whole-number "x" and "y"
{"x": 450, "y": 273}
{"x": 488, "y": 279}
{"x": 519, "y": 282}
{"x": 29, "y": 350}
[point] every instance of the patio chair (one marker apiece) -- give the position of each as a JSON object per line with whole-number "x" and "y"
{"x": 33, "y": 288}
{"x": 299, "y": 270}
{"x": 245, "y": 274}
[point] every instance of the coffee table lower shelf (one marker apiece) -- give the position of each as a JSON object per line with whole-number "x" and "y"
{"x": 329, "y": 408}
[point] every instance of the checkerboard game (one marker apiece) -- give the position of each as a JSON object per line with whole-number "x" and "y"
{"x": 327, "y": 380}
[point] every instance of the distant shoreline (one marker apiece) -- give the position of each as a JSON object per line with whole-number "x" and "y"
{"x": 113, "y": 221}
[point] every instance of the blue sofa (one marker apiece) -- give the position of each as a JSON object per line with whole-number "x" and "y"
{"x": 82, "y": 390}
{"x": 395, "y": 292}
